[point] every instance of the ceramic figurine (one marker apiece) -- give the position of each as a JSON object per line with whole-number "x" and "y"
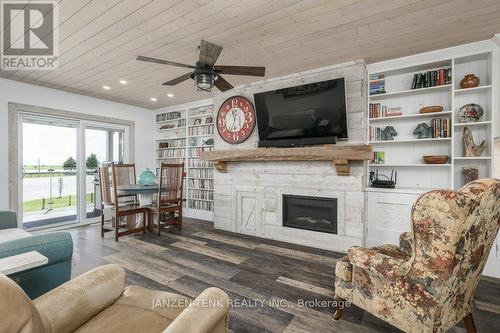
{"x": 423, "y": 131}
{"x": 469, "y": 81}
{"x": 389, "y": 133}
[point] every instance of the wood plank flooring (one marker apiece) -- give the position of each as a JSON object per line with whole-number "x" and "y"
{"x": 280, "y": 275}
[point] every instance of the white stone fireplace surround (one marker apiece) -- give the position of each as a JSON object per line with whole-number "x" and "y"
{"x": 248, "y": 198}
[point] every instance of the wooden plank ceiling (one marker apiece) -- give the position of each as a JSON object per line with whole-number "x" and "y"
{"x": 100, "y": 39}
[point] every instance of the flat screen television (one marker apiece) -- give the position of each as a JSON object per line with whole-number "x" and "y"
{"x": 309, "y": 114}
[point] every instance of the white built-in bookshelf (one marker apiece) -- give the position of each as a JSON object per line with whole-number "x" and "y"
{"x": 187, "y": 130}
{"x": 404, "y": 153}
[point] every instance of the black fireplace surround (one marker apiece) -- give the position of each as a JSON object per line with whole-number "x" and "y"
{"x": 310, "y": 213}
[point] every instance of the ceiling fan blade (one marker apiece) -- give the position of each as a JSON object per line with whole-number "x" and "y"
{"x": 209, "y": 52}
{"x": 241, "y": 70}
{"x": 178, "y": 80}
{"x": 222, "y": 84}
{"x": 163, "y": 62}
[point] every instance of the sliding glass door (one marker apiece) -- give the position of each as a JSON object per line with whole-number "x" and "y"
{"x": 49, "y": 171}
{"x": 101, "y": 144}
{"x": 59, "y": 162}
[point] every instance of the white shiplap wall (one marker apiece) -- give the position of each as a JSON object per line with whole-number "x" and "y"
{"x": 248, "y": 196}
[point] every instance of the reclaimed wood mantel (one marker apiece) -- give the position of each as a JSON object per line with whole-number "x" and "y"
{"x": 339, "y": 154}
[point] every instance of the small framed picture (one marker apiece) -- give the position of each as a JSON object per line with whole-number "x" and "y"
{"x": 209, "y": 120}
{"x": 197, "y": 121}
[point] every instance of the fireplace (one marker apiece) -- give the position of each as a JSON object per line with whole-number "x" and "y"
{"x": 310, "y": 213}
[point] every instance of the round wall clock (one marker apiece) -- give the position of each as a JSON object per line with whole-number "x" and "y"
{"x": 236, "y": 119}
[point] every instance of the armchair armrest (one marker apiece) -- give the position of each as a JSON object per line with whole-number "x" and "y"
{"x": 207, "y": 313}
{"x": 67, "y": 307}
{"x": 377, "y": 263}
{"x": 8, "y": 220}
{"x": 57, "y": 247}
{"x": 406, "y": 242}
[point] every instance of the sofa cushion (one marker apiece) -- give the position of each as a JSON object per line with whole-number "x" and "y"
{"x": 12, "y": 234}
{"x": 135, "y": 307}
{"x": 125, "y": 318}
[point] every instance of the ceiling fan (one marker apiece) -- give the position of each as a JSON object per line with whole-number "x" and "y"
{"x": 205, "y": 73}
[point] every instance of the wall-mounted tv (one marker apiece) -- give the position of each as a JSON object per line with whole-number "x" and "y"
{"x": 309, "y": 114}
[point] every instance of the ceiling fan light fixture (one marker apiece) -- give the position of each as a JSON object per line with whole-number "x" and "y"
{"x": 204, "y": 81}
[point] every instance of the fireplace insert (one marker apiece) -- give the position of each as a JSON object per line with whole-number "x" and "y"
{"x": 310, "y": 213}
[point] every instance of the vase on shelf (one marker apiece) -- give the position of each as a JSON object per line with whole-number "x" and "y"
{"x": 469, "y": 81}
{"x": 470, "y": 174}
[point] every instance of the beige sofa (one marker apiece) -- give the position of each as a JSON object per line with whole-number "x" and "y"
{"x": 98, "y": 302}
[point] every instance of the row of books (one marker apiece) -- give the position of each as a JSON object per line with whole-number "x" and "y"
{"x": 379, "y": 111}
{"x": 201, "y": 194}
{"x": 377, "y": 84}
{"x": 196, "y": 163}
{"x": 171, "y": 153}
{"x": 375, "y": 134}
{"x": 201, "y": 183}
{"x": 441, "y": 128}
{"x": 201, "y": 205}
{"x": 431, "y": 78}
{"x": 168, "y": 116}
{"x": 201, "y": 130}
{"x": 195, "y": 152}
{"x": 201, "y": 173}
{"x": 378, "y": 157}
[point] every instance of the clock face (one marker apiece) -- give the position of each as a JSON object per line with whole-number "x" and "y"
{"x": 236, "y": 119}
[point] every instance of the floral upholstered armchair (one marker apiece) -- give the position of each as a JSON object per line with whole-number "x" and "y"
{"x": 427, "y": 284}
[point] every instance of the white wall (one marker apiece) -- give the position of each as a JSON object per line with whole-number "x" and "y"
{"x": 17, "y": 92}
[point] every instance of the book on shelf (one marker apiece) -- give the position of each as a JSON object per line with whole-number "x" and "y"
{"x": 168, "y": 116}
{"x": 201, "y": 194}
{"x": 441, "y": 128}
{"x": 431, "y": 78}
{"x": 378, "y": 157}
{"x": 201, "y": 130}
{"x": 377, "y": 84}
{"x": 380, "y": 111}
{"x": 201, "y": 173}
{"x": 375, "y": 133}
{"x": 207, "y": 184}
{"x": 177, "y": 153}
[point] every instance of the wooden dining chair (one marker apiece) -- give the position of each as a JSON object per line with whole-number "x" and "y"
{"x": 124, "y": 208}
{"x": 169, "y": 197}
{"x": 107, "y": 205}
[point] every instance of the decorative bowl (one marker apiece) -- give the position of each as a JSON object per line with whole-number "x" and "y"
{"x": 431, "y": 109}
{"x": 147, "y": 178}
{"x": 436, "y": 159}
{"x": 470, "y": 113}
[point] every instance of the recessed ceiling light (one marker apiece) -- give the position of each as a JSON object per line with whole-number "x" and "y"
{"x": 123, "y": 81}
{"x": 170, "y": 95}
{"x": 106, "y": 87}
{"x": 153, "y": 99}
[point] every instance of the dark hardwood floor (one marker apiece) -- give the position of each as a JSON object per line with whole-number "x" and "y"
{"x": 250, "y": 270}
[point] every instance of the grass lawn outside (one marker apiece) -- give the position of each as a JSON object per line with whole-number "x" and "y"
{"x": 35, "y": 205}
